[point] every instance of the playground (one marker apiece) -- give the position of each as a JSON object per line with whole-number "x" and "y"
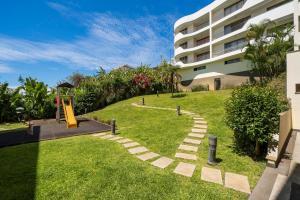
{"x": 65, "y": 124}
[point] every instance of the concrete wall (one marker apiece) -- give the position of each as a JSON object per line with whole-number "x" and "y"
{"x": 293, "y": 78}
{"x": 284, "y": 129}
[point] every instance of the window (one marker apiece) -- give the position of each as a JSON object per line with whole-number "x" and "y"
{"x": 183, "y": 45}
{"x": 298, "y": 23}
{"x": 184, "y": 31}
{"x": 202, "y": 41}
{"x": 235, "y": 60}
{"x": 235, "y": 25}
{"x": 234, "y": 45}
{"x": 297, "y": 88}
{"x": 202, "y": 56}
{"x": 199, "y": 68}
{"x": 234, "y": 7}
{"x": 184, "y": 59}
{"x": 278, "y": 4}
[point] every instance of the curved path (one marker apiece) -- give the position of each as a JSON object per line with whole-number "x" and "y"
{"x": 186, "y": 154}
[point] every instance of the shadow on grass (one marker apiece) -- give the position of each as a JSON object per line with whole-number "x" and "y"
{"x": 18, "y": 165}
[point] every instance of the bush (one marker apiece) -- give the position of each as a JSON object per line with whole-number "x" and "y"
{"x": 253, "y": 114}
{"x": 198, "y": 88}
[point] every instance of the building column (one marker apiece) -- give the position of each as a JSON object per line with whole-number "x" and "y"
{"x": 297, "y": 25}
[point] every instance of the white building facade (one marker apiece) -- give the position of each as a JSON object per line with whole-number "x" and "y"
{"x": 209, "y": 44}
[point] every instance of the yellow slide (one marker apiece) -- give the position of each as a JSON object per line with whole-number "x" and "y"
{"x": 69, "y": 115}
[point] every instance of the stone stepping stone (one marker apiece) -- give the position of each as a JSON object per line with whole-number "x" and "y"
{"x": 124, "y": 141}
{"x": 148, "y": 156}
{"x": 185, "y": 169}
{"x": 197, "y": 130}
{"x": 200, "y": 122}
{"x": 99, "y": 134}
{"x": 237, "y": 182}
{"x": 191, "y": 141}
{"x": 211, "y": 175}
{"x": 116, "y": 138}
{"x": 107, "y": 136}
{"x": 198, "y": 118}
{"x": 196, "y": 135}
{"x": 200, "y": 126}
{"x": 137, "y": 150}
{"x": 188, "y": 148}
{"x": 186, "y": 156}
{"x": 131, "y": 144}
{"x": 162, "y": 162}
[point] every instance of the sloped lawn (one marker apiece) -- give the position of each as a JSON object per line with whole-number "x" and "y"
{"x": 86, "y": 167}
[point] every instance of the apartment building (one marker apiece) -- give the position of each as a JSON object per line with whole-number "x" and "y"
{"x": 209, "y": 44}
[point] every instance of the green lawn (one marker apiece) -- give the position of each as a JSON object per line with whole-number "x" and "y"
{"x": 6, "y": 127}
{"x": 87, "y": 167}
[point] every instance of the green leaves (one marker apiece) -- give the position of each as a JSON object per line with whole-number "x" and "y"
{"x": 253, "y": 113}
{"x": 267, "y": 47}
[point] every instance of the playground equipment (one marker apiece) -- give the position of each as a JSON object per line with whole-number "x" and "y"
{"x": 68, "y": 108}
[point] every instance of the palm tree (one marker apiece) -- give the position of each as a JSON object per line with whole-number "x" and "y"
{"x": 267, "y": 47}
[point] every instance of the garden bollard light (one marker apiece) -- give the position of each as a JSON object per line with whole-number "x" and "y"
{"x": 113, "y": 127}
{"x": 157, "y": 93}
{"x": 143, "y": 101}
{"x": 212, "y": 140}
{"x": 178, "y": 110}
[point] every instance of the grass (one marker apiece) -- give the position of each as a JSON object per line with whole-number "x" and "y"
{"x": 7, "y": 127}
{"x": 87, "y": 167}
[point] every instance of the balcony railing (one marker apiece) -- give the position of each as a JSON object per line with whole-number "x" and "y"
{"x": 230, "y": 49}
{"x": 230, "y": 28}
{"x": 203, "y": 56}
{"x": 228, "y": 10}
{"x": 201, "y": 41}
{"x": 201, "y": 26}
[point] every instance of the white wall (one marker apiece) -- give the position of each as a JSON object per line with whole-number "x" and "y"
{"x": 214, "y": 69}
{"x": 293, "y": 77}
{"x": 296, "y": 20}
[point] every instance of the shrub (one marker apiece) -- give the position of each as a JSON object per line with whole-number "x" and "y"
{"x": 200, "y": 87}
{"x": 252, "y": 113}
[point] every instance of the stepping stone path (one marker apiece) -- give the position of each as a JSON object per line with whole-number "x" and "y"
{"x": 196, "y": 135}
{"x": 162, "y": 162}
{"x": 131, "y": 144}
{"x": 186, "y": 151}
{"x": 192, "y": 141}
{"x": 188, "y": 148}
{"x": 148, "y": 156}
{"x": 137, "y": 150}
{"x": 186, "y": 156}
{"x": 185, "y": 169}
{"x": 211, "y": 175}
{"x": 237, "y": 182}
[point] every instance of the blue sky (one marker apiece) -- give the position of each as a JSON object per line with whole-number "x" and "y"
{"x": 50, "y": 40}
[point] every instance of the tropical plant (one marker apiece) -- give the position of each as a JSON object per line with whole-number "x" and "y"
{"x": 38, "y": 102}
{"x": 267, "y": 47}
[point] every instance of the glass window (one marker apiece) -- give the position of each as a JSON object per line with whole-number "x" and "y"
{"x": 199, "y": 68}
{"x": 298, "y": 88}
{"x": 235, "y": 60}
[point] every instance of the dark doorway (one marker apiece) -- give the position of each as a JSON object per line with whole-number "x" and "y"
{"x": 217, "y": 83}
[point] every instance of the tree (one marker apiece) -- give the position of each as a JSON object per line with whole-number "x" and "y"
{"x": 169, "y": 75}
{"x": 267, "y": 47}
{"x": 37, "y": 101}
{"x": 76, "y": 78}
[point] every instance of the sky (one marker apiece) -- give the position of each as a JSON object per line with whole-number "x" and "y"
{"x": 50, "y": 40}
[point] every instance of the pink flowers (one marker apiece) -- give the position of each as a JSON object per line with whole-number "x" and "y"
{"x": 142, "y": 81}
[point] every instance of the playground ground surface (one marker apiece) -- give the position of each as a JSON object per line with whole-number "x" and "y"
{"x": 49, "y": 129}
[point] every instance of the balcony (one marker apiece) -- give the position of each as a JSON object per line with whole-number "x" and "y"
{"x": 200, "y": 26}
{"x": 228, "y": 10}
{"x": 201, "y": 41}
{"x": 202, "y": 56}
{"x": 230, "y": 47}
{"x": 230, "y": 28}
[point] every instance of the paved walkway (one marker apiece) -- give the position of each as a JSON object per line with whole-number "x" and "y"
{"x": 185, "y": 156}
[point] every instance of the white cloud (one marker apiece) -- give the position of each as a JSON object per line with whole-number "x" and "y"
{"x": 110, "y": 41}
{"x": 5, "y": 69}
